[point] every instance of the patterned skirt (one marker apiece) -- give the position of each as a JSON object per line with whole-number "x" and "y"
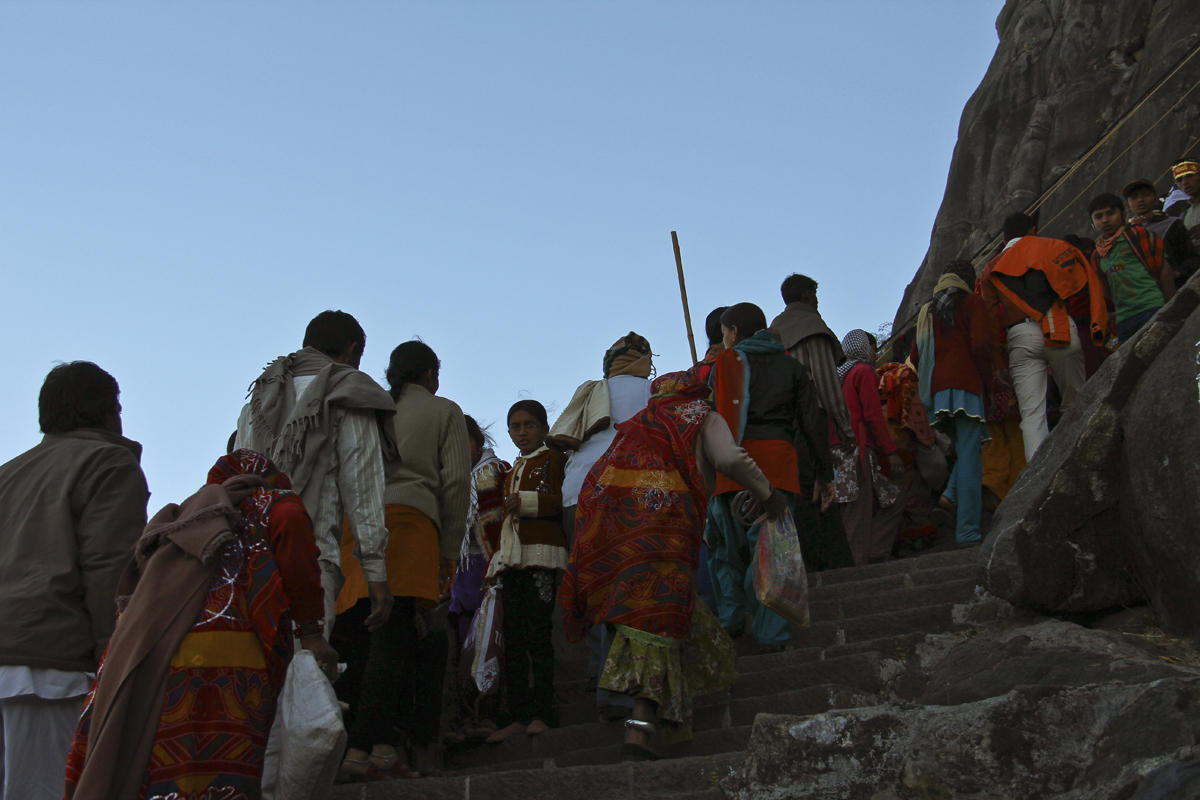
{"x": 212, "y": 732}
{"x": 671, "y": 672}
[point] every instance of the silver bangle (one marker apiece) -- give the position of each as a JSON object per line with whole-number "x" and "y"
{"x": 641, "y": 725}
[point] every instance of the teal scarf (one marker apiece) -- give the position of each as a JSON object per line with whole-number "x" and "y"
{"x": 761, "y": 343}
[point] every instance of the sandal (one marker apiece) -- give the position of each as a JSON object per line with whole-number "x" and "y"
{"x": 381, "y": 769}
{"x": 354, "y": 770}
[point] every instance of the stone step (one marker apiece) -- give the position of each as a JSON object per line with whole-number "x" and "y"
{"x": 924, "y": 619}
{"x": 775, "y": 673}
{"x": 849, "y": 605}
{"x": 692, "y": 777}
{"x": 895, "y": 646}
{"x": 860, "y": 616}
{"x": 599, "y": 742}
{"x": 896, "y": 581}
{"x": 704, "y": 743}
{"x": 895, "y": 566}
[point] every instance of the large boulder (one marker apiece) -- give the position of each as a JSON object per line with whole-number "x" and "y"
{"x": 1064, "y": 72}
{"x": 1048, "y": 710}
{"x": 1160, "y": 468}
{"x": 1105, "y": 513}
{"x": 946, "y": 670}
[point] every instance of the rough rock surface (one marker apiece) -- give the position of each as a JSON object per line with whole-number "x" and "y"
{"x": 1063, "y": 73}
{"x": 1106, "y": 512}
{"x": 946, "y": 670}
{"x": 1050, "y": 710}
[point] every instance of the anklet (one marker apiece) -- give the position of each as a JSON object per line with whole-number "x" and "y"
{"x": 641, "y": 725}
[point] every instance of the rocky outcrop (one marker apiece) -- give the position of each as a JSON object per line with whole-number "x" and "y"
{"x": 1049, "y": 710}
{"x": 1107, "y": 510}
{"x": 1064, "y": 72}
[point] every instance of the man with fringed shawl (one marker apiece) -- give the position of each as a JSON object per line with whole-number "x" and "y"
{"x": 640, "y": 522}
{"x": 329, "y": 426}
{"x": 185, "y": 695}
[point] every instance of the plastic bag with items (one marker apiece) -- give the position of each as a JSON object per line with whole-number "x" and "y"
{"x": 484, "y": 647}
{"x": 780, "y": 581}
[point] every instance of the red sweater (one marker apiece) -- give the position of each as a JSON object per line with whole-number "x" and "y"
{"x": 861, "y": 389}
{"x": 961, "y": 356}
{"x": 291, "y": 540}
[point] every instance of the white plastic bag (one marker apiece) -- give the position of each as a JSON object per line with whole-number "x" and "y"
{"x": 308, "y": 738}
{"x": 484, "y": 646}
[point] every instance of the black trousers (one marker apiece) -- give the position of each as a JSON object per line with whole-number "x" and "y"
{"x": 822, "y": 535}
{"x": 528, "y": 597}
{"x": 375, "y": 668}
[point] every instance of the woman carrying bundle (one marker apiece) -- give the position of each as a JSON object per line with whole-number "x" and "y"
{"x": 640, "y": 521}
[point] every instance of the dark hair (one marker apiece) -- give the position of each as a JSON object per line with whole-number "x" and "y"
{"x": 1082, "y": 243}
{"x": 712, "y": 325}
{"x": 477, "y": 434}
{"x": 531, "y": 407}
{"x": 796, "y": 287}
{"x": 1106, "y": 200}
{"x": 1017, "y": 225}
{"x": 77, "y": 395}
{"x": 945, "y": 303}
{"x": 409, "y": 361}
{"x": 332, "y": 332}
{"x": 746, "y": 317}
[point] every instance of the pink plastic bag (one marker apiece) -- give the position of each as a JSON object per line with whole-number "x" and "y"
{"x": 780, "y": 582}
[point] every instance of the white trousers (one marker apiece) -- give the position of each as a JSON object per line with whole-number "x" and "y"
{"x": 1028, "y": 360}
{"x": 35, "y": 735}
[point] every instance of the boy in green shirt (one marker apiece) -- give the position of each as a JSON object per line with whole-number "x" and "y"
{"x": 1130, "y": 259}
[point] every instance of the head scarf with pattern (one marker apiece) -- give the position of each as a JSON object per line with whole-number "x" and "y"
{"x": 629, "y": 355}
{"x": 248, "y": 462}
{"x": 857, "y": 347}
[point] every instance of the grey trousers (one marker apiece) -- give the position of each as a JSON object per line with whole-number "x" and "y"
{"x": 35, "y": 735}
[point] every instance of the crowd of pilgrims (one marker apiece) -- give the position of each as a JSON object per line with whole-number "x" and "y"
{"x": 371, "y": 523}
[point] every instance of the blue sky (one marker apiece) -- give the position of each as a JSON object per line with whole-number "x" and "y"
{"x": 186, "y": 184}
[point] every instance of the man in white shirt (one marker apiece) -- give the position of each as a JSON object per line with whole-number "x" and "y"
{"x": 329, "y": 427}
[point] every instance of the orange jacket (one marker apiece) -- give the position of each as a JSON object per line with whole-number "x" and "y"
{"x": 1067, "y": 271}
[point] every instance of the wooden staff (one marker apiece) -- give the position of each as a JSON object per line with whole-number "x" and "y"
{"x": 687, "y": 315}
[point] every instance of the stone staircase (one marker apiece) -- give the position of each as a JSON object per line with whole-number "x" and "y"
{"x": 865, "y": 623}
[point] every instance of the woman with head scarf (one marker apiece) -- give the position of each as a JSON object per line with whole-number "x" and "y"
{"x": 186, "y": 693}
{"x": 641, "y": 519}
{"x": 769, "y": 401}
{"x": 953, "y": 359}
{"x": 872, "y": 515}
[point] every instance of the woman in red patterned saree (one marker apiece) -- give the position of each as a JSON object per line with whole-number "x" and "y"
{"x": 638, "y": 530}
{"x": 189, "y": 682}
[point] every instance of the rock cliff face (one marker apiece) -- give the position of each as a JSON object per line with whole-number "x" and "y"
{"x": 1064, "y": 72}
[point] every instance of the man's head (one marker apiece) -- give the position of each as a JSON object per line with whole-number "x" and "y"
{"x": 79, "y": 395}
{"x": 337, "y": 335}
{"x": 1186, "y": 173}
{"x": 1107, "y": 213}
{"x": 797, "y": 288}
{"x": 740, "y": 321}
{"x": 712, "y": 325}
{"x": 1141, "y": 197}
{"x": 1018, "y": 225}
